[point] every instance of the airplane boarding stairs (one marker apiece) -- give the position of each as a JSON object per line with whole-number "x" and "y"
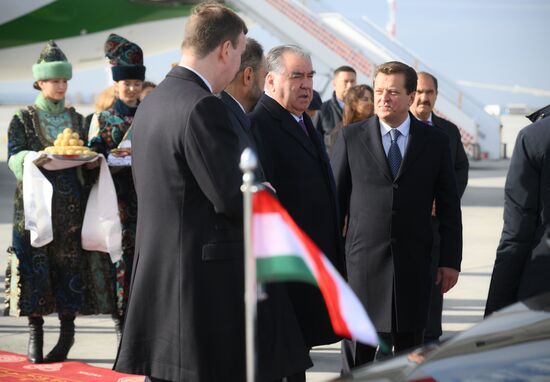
{"x": 335, "y": 40}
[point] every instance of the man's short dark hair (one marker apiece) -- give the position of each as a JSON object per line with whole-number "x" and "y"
{"x": 431, "y": 76}
{"x": 252, "y": 55}
{"x": 394, "y": 67}
{"x": 209, "y": 25}
{"x": 344, "y": 68}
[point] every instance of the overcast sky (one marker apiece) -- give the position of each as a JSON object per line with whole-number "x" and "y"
{"x": 502, "y": 43}
{"x": 499, "y": 42}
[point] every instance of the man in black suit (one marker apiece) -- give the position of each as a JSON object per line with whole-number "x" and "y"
{"x": 242, "y": 94}
{"x": 330, "y": 115}
{"x": 295, "y": 163}
{"x": 185, "y": 316}
{"x": 422, "y": 109}
{"x": 522, "y": 265}
{"x": 389, "y": 169}
{"x": 275, "y": 315}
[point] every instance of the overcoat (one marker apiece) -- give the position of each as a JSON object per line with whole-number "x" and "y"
{"x": 185, "y": 315}
{"x": 241, "y": 123}
{"x": 328, "y": 117}
{"x": 389, "y": 238}
{"x": 522, "y": 262}
{"x": 460, "y": 166}
{"x": 298, "y": 168}
{"x": 458, "y": 154}
{"x": 281, "y": 347}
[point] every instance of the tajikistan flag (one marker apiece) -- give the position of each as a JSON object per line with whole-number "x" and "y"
{"x": 285, "y": 253}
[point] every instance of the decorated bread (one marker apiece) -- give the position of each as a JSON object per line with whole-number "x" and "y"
{"x": 69, "y": 143}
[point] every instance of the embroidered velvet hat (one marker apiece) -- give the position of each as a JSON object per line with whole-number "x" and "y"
{"x": 52, "y": 63}
{"x": 125, "y": 57}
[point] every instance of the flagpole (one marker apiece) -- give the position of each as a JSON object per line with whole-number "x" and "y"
{"x": 248, "y": 164}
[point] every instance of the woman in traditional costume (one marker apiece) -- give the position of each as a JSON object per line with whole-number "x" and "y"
{"x": 55, "y": 277}
{"x": 110, "y": 130}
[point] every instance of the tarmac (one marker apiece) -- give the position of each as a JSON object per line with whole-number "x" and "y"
{"x": 482, "y": 207}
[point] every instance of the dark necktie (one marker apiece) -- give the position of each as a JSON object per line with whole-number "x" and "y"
{"x": 303, "y": 125}
{"x": 394, "y": 154}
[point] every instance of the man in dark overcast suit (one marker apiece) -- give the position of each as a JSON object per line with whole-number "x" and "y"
{"x": 185, "y": 316}
{"x": 242, "y": 94}
{"x": 522, "y": 264}
{"x": 295, "y": 163}
{"x": 276, "y": 321}
{"x": 389, "y": 169}
{"x": 422, "y": 109}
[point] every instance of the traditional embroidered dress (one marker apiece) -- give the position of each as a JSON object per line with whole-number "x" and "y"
{"x": 60, "y": 276}
{"x": 107, "y": 130}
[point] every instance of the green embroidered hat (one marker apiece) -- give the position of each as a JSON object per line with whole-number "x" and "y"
{"x": 125, "y": 57}
{"x": 52, "y": 63}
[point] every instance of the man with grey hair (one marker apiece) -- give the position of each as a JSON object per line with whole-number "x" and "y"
{"x": 294, "y": 160}
{"x": 276, "y": 319}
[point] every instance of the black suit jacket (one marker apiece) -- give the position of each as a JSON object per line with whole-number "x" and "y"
{"x": 186, "y": 310}
{"x": 458, "y": 154}
{"x": 522, "y": 265}
{"x": 241, "y": 123}
{"x": 328, "y": 117}
{"x": 389, "y": 236}
{"x": 298, "y": 168}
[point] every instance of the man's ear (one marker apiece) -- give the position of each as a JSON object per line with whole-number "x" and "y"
{"x": 248, "y": 76}
{"x": 270, "y": 83}
{"x": 411, "y": 98}
{"x": 224, "y": 50}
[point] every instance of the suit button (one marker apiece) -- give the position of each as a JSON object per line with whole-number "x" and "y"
{"x": 395, "y": 186}
{"x": 393, "y": 240}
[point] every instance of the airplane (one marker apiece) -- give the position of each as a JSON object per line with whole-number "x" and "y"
{"x": 80, "y": 28}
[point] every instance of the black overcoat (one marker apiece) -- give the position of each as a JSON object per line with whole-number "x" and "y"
{"x": 281, "y": 347}
{"x": 298, "y": 168}
{"x": 522, "y": 265}
{"x": 460, "y": 166}
{"x": 328, "y": 117}
{"x": 184, "y": 320}
{"x": 389, "y": 238}
{"x": 241, "y": 123}
{"x": 458, "y": 154}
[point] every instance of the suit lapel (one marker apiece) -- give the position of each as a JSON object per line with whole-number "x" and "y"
{"x": 372, "y": 140}
{"x": 415, "y": 145}
{"x": 288, "y": 124}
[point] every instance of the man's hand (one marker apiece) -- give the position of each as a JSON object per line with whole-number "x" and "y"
{"x": 447, "y": 278}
